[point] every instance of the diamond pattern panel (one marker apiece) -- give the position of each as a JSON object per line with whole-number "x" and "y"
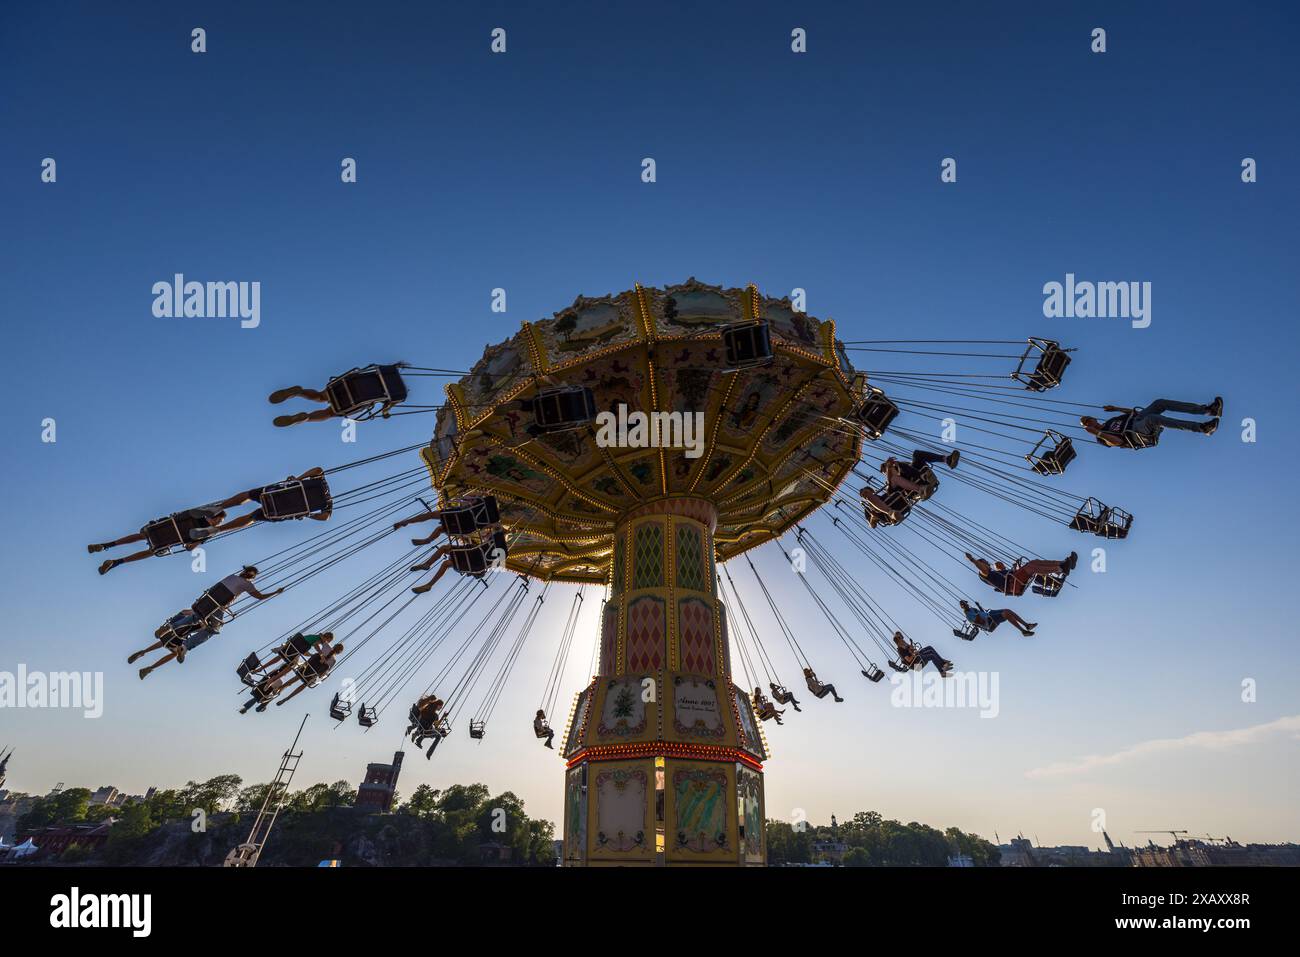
{"x": 695, "y": 635}
{"x": 648, "y": 556}
{"x": 646, "y": 628}
{"x": 690, "y": 559}
{"x": 609, "y": 639}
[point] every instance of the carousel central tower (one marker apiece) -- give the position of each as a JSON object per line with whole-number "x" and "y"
{"x": 664, "y": 754}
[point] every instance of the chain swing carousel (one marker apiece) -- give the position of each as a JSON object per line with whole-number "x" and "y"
{"x": 664, "y": 750}
{"x": 664, "y": 753}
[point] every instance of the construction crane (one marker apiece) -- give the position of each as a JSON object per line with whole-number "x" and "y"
{"x": 1164, "y": 830}
{"x": 247, "y": 854}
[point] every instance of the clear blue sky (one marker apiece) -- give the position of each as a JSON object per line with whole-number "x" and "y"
{"x": 522, "y": 171}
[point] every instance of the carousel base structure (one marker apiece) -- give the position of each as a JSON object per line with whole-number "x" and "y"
{"x": 664, "y": 752}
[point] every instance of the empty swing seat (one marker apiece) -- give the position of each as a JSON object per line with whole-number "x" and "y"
{"x": 1048, "y": 369}
{"x": 1052, "y": 453}
{"x": 295, "y": 498}
{"x": 477, "y": 729}
{"x": 367, "y": 717}
{"x": 876, "y": 412}
{"x": 1104, "y": 521}
{"x": 360, "y": 389}
{"x": 874, "y": 673}
{"x": 1117, "y": 523}
{"x": 340, "y": 709}
{"x": 563, "y": 408}
{"x": 1090, "y": 517}
{"x": 747, "y": 344}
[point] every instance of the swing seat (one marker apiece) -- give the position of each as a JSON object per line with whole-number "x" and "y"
{"x": 264, "y": 694}
{"x": 359, "y": 390}
{"x": 213, "y": 602}
{"x": 367, "y": 717}
{"x": 1052, "y": 453}
{"x": 295, "y": 648}
{"x": 173, "y": 639}
{"x": 477, "y": 729}
{"x": 1140, "y": 440}
{"x": 340, "y": 709}
{"x": 310, "y": 673}
{"x": 1104, "y": 521}
{"x": 295, "y": 498}
{"x": 899, "y": 666}
{"x": 1049, "y": 586}
{"x": 171, "y": 534}
{"x": 458, "y": 519}
{"x": 1049, "y": 365}
{"x": 486, "y": 511}
{"x": 470, "y": 559}
{"x": 968, "y": 632}
{"x": 562, "y": 409}
{"x": 875, "y": 413}
{"x": 1084, "y": 522}
{"x": 896, "y": 498}
{"x": 782, "y": 694}
{"x": 873, "y": 673}
{"x": 747, "y": 344}
{"x": 1117, "y": 523}
{"x": 247, "y": 668}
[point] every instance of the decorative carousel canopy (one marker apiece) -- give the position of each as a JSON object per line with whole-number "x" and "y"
{"x": 774, "y": 447}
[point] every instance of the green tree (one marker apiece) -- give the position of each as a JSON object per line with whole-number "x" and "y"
{"x": 423, "y": 803}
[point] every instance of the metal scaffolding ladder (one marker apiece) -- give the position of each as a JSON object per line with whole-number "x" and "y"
{"x": 246, "y": 854}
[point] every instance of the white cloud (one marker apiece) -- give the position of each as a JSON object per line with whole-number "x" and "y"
{"x": 1200, "y": 740}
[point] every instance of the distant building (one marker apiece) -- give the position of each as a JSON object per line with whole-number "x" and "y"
{"x": 1021, "y": 852}
{"x": 107, "y": 796}
{"x": 1214, "y": 853}
{"x": 828, "y": 852}
{"x": 53, "y": 841}
{"x": 494, "y": 852}
{"x": 376, "y": 792}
